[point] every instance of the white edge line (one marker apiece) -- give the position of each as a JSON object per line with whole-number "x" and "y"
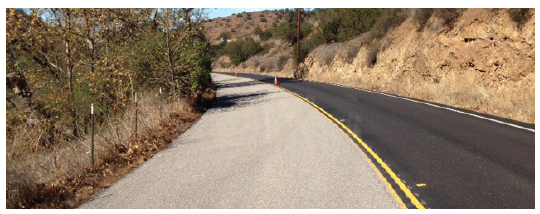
{"x": 436, "y": 106}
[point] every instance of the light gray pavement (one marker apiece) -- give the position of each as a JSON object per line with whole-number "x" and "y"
{"x": 257, "y": 147}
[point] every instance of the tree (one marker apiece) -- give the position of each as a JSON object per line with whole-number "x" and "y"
{"x": 69, "y": 58}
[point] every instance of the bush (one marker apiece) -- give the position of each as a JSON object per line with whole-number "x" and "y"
{"x": 263, "y": 19}
{"x": 217, "y": 49}
{"x": 239, "y": 51}
{"x": 288, "y": 31}
{"x": 258, "y": 30}
{"x": 239, "y": 15}
{"x": 519, "y": 15}
{"x": 421, "y": 16}
{"x": 308, "y": 45}
{"x": 343, "y": 24}
{"x": 263, "y": 35}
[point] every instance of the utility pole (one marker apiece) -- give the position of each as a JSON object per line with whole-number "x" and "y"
{"x": 298, "y": 39}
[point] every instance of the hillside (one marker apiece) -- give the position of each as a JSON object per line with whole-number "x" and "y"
{"x": 242, "y": 24}
{"x": 483, "y": 61}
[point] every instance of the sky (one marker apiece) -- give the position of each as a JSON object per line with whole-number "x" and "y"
{"x": 224, "y": 12}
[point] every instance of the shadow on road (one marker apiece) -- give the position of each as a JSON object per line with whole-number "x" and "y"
{"x": 227, "y": 84}
{"x": 231, "y": 101}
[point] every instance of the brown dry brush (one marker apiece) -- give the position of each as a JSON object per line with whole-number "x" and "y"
{"x": 55, "y": 181}
{"x": 58, "y": 61}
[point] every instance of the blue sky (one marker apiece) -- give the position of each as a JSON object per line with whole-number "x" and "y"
{"x": 224, "y": 12}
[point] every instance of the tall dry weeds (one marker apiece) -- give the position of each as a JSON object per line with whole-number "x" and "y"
{"x": 62, "y": 176}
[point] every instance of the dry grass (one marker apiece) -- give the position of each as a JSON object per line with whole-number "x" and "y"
{"x": 62, "y": 176}
{"x": 458, "y": 90}
{"x": 326, "y": 53}
{"x": 347, "y": 52}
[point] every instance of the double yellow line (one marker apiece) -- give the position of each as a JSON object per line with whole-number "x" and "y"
{"x": 383, "y": 165}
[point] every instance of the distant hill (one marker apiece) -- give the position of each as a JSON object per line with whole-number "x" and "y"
{"x": 242, "y": 24}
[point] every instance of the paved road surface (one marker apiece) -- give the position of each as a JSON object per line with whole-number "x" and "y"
{"x": 465, "y": 162}
{"x": 258, "y": 147}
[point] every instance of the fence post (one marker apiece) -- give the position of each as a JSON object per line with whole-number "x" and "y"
{"x": 160, "y": 104}
{"x": 92, "y": 148}
{"x": 136, "y": 135}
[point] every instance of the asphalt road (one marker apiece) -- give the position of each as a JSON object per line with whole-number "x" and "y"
{"x": 257, "y": 147}
{"x": 464, "y": 161}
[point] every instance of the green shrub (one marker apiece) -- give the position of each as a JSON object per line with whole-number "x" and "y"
{"x": 240, "y": 50}
{"x": 258, "y": 30}
{"x": 263, "y": 19}
{"x": 217, "y": 49}
{"x": 239, "y": 15}
{"x": 308, "y": 45}
{"x": 342, "y": 24}
{"x": 288, "y": 31}
{"x": 263, "y": 35}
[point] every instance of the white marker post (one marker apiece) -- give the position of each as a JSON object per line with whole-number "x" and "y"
{"x": 160, "y": 103}
{"x": 136, "y": 136}
{"x": 92, "y": 148}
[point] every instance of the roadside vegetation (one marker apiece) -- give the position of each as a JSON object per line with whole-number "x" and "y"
{"x": 60, "y": 61}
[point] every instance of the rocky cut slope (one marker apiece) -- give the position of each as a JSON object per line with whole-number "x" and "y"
{"x": 483, "y": 62}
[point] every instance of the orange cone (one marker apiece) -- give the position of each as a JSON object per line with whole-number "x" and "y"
{"x": 275, "y": 81}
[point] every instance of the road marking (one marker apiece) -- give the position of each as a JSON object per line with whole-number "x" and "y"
{"x": 391, "y": 173}
{"x": 433, "y": 105}
{"x": 383, "y": 165}
{"x": 381, "y": 176}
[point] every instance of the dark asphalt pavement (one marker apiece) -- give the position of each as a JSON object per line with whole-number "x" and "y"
{"x": 465, "y": 162}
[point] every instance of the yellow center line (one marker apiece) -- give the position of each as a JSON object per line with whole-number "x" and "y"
{"x": 398, "y": 181}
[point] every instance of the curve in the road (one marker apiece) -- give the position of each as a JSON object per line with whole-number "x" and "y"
{"x": 467, "y": 159}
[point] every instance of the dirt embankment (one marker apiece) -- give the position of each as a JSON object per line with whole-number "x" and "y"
{"x": 482, "y": 62}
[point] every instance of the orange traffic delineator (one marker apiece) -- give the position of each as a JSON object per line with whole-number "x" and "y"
{"x": 275, "y": 81}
